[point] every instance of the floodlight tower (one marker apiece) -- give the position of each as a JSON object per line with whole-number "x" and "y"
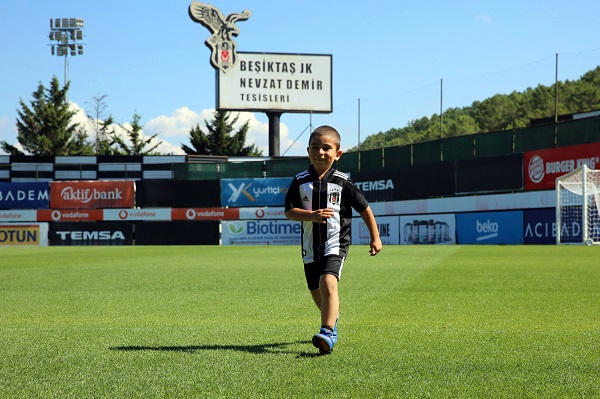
{"x": 66, "y": 32}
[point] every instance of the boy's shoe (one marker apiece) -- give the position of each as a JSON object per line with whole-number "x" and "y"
{"x": 324, "y": 340}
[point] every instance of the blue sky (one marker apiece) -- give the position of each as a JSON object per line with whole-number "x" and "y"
{"x": 149, "y": 57}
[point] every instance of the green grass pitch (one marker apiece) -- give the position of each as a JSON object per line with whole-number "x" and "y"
{"x": 236, "y": 322}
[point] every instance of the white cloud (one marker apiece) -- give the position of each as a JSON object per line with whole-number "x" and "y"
{"x": 178, "y": 124}
{"x": 484, "y": 19}
{"x": 80, "y": 117}
{"x": 6, "y": 131}
{"x": 173, "y": 130}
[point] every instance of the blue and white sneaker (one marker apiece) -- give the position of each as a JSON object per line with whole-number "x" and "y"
{"x": 325, "y": 340}
{"x": 334, "y": 337}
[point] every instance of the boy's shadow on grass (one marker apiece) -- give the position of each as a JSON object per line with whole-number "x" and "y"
{"x": 277, "y": 348}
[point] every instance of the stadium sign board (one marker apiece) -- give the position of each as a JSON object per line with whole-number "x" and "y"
{"x": 277, "y": 82}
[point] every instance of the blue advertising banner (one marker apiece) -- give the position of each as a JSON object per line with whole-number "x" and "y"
{"x": 539, "y": 226}
{"x": 254, "y": 192}
{"x": 490, "y": 228}
{"x": 25, "y": 195}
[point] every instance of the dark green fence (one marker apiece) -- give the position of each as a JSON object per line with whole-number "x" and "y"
{"x": 395, "y": 157}
{"x": 482, "y": 145}
{"x": 494, "y": 144}
{"x": 196, "y": 171}
{"x": 534, "y": 138}
{"x": 371, "y": 159}
{"x": 427, "y": 153}
{"x": 579, "y": 131}
{"x": 286, "y": 167}
{"x": 458, "y": 148}
{"x": 348, "y": 163}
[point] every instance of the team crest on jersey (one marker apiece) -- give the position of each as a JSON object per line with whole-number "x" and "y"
{"x": 334, "y": 197}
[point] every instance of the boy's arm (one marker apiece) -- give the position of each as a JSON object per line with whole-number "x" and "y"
{"x": 304, "y": 215}
{"x": 369, "y": 219}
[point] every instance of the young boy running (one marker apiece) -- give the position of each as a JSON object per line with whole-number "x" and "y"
{"x": 322, "y": 198}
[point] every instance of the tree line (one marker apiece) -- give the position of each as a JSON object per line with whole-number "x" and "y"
{"x": 500, "y": 112}
{"x": 45, "y": 127}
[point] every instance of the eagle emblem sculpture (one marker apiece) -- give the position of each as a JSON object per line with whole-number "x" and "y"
{"x": 221, "y": 43}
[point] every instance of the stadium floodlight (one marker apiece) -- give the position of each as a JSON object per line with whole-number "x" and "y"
{"x": 578, "y": 207}
{"x": 66, "y": 32}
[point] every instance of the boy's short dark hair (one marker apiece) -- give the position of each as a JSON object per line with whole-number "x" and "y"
{"x": 326, "y": 130}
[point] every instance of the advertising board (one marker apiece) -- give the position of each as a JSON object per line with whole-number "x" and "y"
{"x": 205, "y": 213}
{"x": 100, "y": 233}
{"x": 428, "y": 229}
{"x": 18, "y": 216}
{"x": 181, "y": 232}
{"x": 254, "y": 192}
{"x": 146, "y": 214}
{"x": 261, "y": 232}
{"x": 72, "y": 215}
{"x": 379, "y": 185}
{"x": 539, "y": 226}
{"x": 92, "y": 194}
{"x": 262, "y": 213}
{"x": 388, "y": 231}
{"x": 490, "y": 228}
{"x": 542, "y": 167}
{"x": 24, "y": 195}
{"x": 24, "y": 234}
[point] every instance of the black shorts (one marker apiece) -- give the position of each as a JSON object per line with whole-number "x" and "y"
{"x": 330, "y": 265}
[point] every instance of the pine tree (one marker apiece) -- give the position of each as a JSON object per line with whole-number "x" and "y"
{"x": 45, "y": 127}
{"x": 137, "y": 144}
{"x": 101, "y": 125}
{"x": 105, "y": 137}
{"x": 220, "y": 139}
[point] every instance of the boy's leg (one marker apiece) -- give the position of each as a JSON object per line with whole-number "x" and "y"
{"x": 330, "y": 302}
{"x": 316, "y": 296}
{"x": 327, "y": 336}
{"x": 324, "y": 291}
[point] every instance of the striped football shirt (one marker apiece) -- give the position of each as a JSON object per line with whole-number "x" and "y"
{"x": 335, "y": 191}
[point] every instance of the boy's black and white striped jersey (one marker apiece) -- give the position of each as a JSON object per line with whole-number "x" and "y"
{"x": 335, "y": 191}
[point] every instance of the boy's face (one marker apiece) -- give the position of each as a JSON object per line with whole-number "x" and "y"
{"x": 323, "y": 152}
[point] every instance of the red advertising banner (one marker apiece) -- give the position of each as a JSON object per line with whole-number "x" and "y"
{"x": 205, "y": 214}
{"x": 55, "y": 215}
{"x": 542, "y": 167}
{"x": 92, "y": 194}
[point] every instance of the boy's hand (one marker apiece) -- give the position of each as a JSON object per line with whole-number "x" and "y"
{"x": 376, "y": 246}
{"x": 321, "y": 215}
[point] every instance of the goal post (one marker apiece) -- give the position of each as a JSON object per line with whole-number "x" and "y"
{"x": 578, "y": 207}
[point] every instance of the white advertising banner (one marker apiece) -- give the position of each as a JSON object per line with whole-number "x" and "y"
{"x": 479, "y": 203}
{"x": 261, "y": 232}
{"x": 147, "y": 214}
{"x": 388, "y": 226}
{"x": 428, "y": 229}
{"x": 262, "y": 213}
{"x": 18, "y": 216}
{"x": 277, "y": 82}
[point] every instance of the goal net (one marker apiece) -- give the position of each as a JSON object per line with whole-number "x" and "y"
{"x": 578, "y": 207}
